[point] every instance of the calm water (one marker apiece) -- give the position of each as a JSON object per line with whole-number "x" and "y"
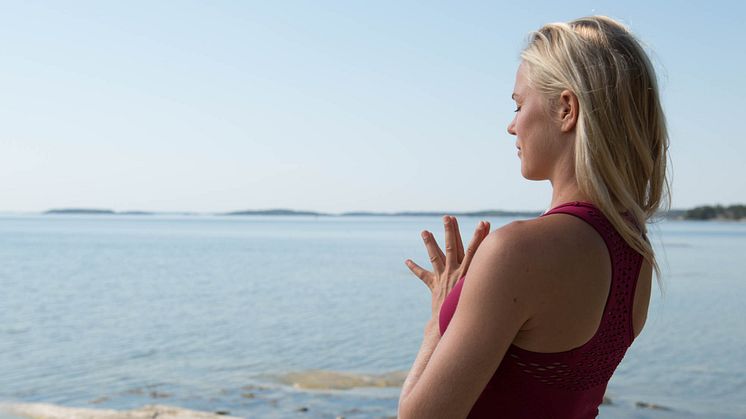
{"x": 227, "y": 313}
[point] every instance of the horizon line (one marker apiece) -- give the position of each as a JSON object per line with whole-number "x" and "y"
{"x": 288, "y": 211}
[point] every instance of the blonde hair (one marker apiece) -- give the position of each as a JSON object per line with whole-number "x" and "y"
{"x": 621, "y": 143}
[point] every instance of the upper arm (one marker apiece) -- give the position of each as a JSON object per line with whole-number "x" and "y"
{"x": 495, "y": 302}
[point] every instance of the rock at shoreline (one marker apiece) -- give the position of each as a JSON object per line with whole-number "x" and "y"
{"x": 336, "y": 380}
{"x": 51, "y": 411}
{"x": 646, "y": 405}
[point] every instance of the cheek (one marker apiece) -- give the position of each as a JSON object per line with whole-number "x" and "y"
{"x": 523, "y": 126}
{"x": 530, "y": 125}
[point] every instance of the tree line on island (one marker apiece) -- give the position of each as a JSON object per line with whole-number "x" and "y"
{"x": 717, "y": 212}
{"x": 707, "y": 212}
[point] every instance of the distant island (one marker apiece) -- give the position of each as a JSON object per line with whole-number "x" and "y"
{"x": 717, "y": 212}
{"x": 273, "y": 212}
{"x": 289, "y": 212}
{"x": 94, "y": 211}
{"x": 492, "y": 213}
{"x": 80, "y": 211}
{"x": 487, "y": 213}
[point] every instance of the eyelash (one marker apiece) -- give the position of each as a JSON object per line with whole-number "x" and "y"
{"x": 517, "y": 109}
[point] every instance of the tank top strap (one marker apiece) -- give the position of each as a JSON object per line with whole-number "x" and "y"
{"x": 625, "y": 264}
{"x": 588, "y": 213}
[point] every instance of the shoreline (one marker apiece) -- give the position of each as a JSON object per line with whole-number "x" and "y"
{"x": 54, "y": 411}
{"x": 149, "y": 411}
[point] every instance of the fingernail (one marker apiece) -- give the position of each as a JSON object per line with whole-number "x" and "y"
{"x": 446, "y": 220}
{"x": 424, "y": 234}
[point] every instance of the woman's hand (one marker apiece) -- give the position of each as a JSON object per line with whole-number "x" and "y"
{"x": 448, "y": 267}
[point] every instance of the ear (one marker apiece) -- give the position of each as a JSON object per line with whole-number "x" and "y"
{"x": 568, "y": 110}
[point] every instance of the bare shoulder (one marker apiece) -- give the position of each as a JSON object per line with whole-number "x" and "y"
{"x": 510, "y": 261}
{"x": 534, "y": 254}
{"x": 545, "y": 240}
{"x": 556, "y": 270}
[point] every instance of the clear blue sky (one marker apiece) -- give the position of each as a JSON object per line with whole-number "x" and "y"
{"x": 325, "y": 105}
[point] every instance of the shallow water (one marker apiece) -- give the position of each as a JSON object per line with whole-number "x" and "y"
{"x": 227, "y": 313}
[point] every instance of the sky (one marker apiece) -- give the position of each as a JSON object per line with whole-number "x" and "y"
{"x": 328, "y": 106}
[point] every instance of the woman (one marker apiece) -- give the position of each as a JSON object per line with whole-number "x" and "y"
{"x": 551, "y": 304}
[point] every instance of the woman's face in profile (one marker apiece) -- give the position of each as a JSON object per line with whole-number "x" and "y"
{"x": 536, "y": 133}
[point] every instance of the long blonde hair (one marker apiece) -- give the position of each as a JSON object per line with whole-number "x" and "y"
{"x": 621, "y": 143}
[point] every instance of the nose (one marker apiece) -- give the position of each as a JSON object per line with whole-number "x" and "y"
{"x": 511, "y": 127}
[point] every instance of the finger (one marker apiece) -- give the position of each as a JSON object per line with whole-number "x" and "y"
{"x": 459, "y": 242}
{"x": 482, "y": 230}
{"x": 440, "y": 252}
{"x": 451, "y": 247}
{"x": 433, "y": 251}
{"x": 419, "y": 271}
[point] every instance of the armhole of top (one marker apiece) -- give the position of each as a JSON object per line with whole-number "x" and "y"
{"x": 611, "y": 280}
{"x": 636, "y": 272}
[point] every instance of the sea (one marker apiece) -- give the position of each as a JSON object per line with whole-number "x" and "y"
{"x": 311, "y": 316}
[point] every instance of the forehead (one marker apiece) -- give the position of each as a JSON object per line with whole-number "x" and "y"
{"x": 521, "y": 77}
{"x": 521, "y": 89}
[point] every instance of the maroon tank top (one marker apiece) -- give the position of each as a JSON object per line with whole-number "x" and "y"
{"x": 569, "y": 384}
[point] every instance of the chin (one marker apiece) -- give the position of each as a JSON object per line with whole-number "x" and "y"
{"x": 532, "y": 176}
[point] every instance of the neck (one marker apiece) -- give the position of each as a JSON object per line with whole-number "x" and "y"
{"x": 565, "y": 189}
{"x": 564, "y": 182}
